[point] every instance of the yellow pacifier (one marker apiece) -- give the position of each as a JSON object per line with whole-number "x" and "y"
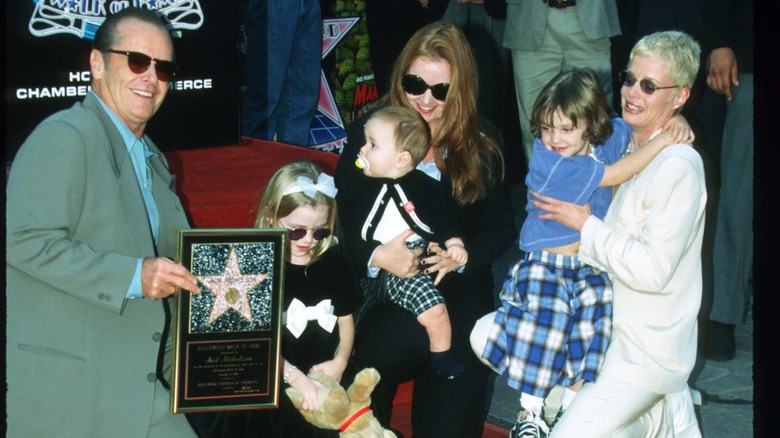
{"x": 361, "y": 162}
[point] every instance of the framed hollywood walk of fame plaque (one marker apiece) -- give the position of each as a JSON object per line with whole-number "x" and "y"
{"x": 226, "y": 340}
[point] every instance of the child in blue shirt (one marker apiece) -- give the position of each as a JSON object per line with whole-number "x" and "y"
{"x": 555, "y": 320}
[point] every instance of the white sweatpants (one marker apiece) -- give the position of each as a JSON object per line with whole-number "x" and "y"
{"x": 613, "y": 407}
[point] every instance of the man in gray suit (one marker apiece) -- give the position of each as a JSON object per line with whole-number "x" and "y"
{"x": 91, "y": 220}
{"x": 549, "y": 36}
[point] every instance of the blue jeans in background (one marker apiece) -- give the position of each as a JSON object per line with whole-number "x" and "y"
{"x": 283, "y": 70}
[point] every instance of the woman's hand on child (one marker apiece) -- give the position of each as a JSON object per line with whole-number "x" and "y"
{"x": 395, "y": 258}
{"x": 567, "y": 213}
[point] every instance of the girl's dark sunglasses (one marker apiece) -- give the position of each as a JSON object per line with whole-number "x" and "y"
{"x": 300, "y": 233}
{"x": 628, "y": 79}
{"x": 416, "y": 86}
{"x": 139, "y": 63}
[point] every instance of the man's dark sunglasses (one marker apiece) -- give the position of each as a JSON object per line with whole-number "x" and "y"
{"x": 648, "y": 87}
{"x": 416, "y": 86}
{"x": 139, "y": 63}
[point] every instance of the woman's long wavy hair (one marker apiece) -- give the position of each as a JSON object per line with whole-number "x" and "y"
{"x": 473, "y": 162}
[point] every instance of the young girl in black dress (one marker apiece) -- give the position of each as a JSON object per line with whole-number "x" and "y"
{"x": 320, "y": 285}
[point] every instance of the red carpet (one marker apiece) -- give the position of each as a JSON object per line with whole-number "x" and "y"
{"x": 220, "y": 187}
{"x": 401, "y": 419}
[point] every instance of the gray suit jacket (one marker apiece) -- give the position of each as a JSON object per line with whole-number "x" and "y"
{"x": 81, "y": 357}
{"x": 526, "y": 21}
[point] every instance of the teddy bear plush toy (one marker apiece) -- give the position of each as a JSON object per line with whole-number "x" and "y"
{"x": 347, "y": 411}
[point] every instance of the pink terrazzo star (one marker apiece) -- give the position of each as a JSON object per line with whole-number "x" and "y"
{"x": 231, "y": 289}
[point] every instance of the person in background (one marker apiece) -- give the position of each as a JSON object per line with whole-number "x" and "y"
{"x": 483, "y": 22}
{"x": 727, "y": 32}
{"x": 464, "y": 153}
{"x": 90, "y": 233}
{"x": 390, "y": 25}
{"x": 547, "y": 37}
{"x": 283, "y": 69}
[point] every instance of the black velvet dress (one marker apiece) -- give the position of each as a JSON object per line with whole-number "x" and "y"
{"x": 330, "y": 277}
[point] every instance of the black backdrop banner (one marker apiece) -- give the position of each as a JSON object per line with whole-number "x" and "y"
{"x": 47, "y": 49}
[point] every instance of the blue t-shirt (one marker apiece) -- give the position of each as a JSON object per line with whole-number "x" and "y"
{"x": 572, "y": 179}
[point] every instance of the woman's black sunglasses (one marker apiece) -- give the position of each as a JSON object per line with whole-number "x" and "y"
{"x": 648, "y": 87}
{"x": 139, "y": 63}
{"x": 416, "y": 86}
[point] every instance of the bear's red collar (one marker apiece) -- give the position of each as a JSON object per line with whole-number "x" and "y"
{"x": 354, "y": 417}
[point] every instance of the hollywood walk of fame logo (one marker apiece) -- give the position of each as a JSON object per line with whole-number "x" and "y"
{"x": 83, "y": 17}
{"x": 328, "y": 131}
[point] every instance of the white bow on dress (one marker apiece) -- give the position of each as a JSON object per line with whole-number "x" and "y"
{"x": 298, "y": 316}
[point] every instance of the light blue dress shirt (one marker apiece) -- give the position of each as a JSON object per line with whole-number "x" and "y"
{"x": 139, "y": 155}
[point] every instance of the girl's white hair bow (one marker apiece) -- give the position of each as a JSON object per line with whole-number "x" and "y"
{"x": 325, "y": 185}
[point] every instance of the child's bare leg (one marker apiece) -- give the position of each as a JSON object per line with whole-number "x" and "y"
{"x": 436, "y": 321}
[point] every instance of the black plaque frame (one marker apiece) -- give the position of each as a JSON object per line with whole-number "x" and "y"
{"x": 230, "y": 359}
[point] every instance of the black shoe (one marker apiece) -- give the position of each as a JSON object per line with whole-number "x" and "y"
{"x": 529, "y": 425}
{"x": 446, "y": 366}
{"x": 721, "y": 342}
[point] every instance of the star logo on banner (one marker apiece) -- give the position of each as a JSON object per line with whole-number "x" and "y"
{"x": 333, "y": 31}
{"x": 231, "y": 289}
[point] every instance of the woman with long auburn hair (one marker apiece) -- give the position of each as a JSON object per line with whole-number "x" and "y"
{"x": 459, "y": 147}
{"x": 435, "y": 75}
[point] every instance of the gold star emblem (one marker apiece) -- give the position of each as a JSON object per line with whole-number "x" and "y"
{"x": 231, "y": 289}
